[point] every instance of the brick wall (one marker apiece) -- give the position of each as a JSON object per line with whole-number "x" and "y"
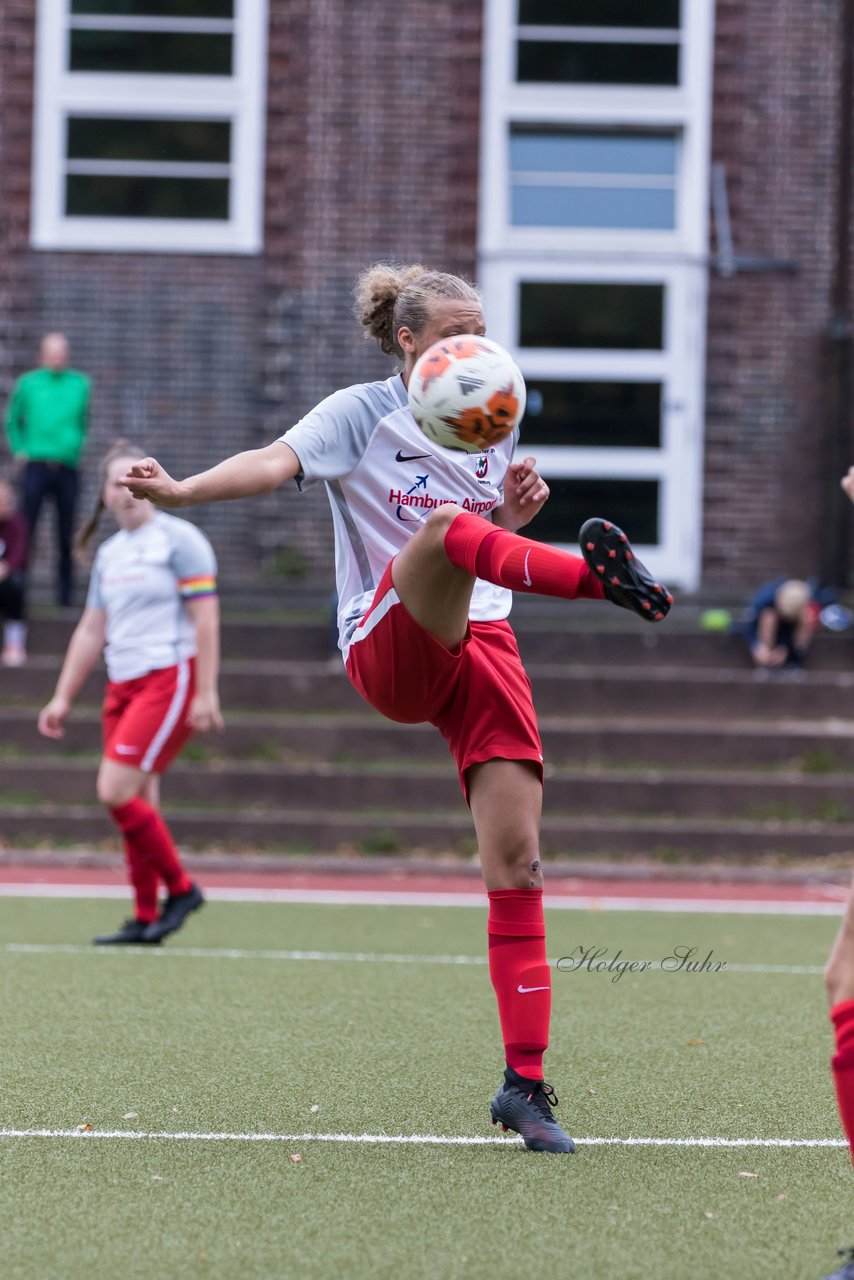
{"x": 16, "y": 72}
{"x": 775, "y": 123}
{"x": 373, "y": 140}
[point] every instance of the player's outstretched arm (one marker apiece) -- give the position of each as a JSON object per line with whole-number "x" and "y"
{"x": 242, "y": 476}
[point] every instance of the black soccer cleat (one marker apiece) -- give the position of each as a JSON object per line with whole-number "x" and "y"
{"x": 626, "y": 581}
{"x": 176, "y": 908}
{"x": 846, "y": 1271}
{"x": 526, "y": 1107}
{"x": 131, "y": 933}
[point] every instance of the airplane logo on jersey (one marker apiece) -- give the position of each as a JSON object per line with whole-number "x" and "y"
{"x": 416, "y": 502}
{"x": 420, "y": 483}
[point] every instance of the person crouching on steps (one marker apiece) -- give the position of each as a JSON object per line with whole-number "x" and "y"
{"x": 153, "y": 609}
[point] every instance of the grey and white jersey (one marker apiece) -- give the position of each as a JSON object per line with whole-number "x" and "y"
{"x": 142, "y": 579}
{"x": 383, "y": 478}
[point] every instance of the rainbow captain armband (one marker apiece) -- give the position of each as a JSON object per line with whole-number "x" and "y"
{"x": 195, "y": 588}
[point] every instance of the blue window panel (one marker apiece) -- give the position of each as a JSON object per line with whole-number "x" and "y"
{"x": 592, "y": 153}
{"x": 610, "y": 208}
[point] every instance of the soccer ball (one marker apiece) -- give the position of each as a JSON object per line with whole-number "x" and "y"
{"x": 466, "y": 393}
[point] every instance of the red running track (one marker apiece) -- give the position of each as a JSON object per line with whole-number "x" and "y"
{"x": 364, "y": 883}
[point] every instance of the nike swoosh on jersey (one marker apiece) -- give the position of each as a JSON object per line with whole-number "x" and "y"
{"x": 410, "y": 457}
{"x": 523, "y": 991}
{"x": 526, "y": 577}
{"x": 126, "y": 751}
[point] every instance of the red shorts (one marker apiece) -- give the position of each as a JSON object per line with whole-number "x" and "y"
{"x": 478, "y": 695}
{"x": 145, "y": 720}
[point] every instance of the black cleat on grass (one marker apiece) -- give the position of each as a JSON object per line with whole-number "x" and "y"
{"x": 130, "y": 934}
{"x": 846, "y": 1271}
{"x": 526, "y": 1107}
{"x": 626, "y": 581}
{"x": 176, "y": 908}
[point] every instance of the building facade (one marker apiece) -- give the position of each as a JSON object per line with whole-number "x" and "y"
{"x": 652, "y": 198}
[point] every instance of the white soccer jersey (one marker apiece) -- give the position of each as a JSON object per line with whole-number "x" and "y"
{"x": 383, "y": 478}
{"x": 142, "y": 579}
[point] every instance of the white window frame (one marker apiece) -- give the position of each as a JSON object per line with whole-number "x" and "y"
{"x": 239, "y": 99}
{"x": 676, "y": 257}
{"x": 675, "y": 462}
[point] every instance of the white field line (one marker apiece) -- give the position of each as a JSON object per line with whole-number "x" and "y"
{"x": 411, "y": 1139}
{"x": 349, "y": 957}
{"x": 408, "y": 898}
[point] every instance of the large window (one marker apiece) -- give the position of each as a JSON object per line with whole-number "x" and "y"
{"x": 149, "y": 125}
{"x": 593, "y": 239}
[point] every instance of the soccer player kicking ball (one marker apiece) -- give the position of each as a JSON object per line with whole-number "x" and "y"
{"x": 424, "y": 595}
{"x": 152, "y": 599}
{"x": 839, "y": 981}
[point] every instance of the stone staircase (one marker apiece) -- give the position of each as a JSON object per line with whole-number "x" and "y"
{"x": 658, "y": 743}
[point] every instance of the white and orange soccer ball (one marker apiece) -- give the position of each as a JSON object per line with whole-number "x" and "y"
{"x": 466, "y": 392}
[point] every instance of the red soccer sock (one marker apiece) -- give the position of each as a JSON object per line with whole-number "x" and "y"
{"x": 148, "y": 836}
{"x": 842, "y": 1065}
{"x": 509, "y": 560}
{"x": 143, "y": 878}
{"x": 521, "y": 976}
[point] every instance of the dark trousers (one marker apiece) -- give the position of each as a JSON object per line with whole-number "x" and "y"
{"x": 59, "y": 483}
{"x": 12, "y": 598}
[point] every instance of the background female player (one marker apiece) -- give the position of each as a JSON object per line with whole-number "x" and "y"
{"x": 152, "y": 599}
{"x": 423, "y": 601}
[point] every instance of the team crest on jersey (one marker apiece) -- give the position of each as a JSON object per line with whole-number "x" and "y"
{"x": 482, "y": 467}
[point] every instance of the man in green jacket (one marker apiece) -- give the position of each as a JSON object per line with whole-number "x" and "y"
{"x": 46, "y": 423}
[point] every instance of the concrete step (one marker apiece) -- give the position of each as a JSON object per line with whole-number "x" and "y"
{"x": 557, "y": 637}
{"x": 816, "y": 746}
{"x": 401, "y": 787}
{"x": 330, "y": 828}
{"x": 662, "y": 692}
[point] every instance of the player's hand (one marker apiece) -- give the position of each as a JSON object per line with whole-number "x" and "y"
{"x": 147, "y": 479}
{"x": 525, "y": 493}
{"x": 204, "y": 713}
{"x": 52, "y": 718}
{"x": 847, "y": 483}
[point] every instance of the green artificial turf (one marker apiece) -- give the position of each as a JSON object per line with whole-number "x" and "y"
{"x": 237, "y": 1044}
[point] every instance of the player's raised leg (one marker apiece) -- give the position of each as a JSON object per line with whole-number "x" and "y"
{"x": 607, "y": 568}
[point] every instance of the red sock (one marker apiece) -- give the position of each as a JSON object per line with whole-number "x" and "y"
{"x": 148, "y": 835}
{"x": 509, "y": 560}
{"x": 842, "y": 1065}
{"x": 143, "y": 878}
{"x": 521, "y": 976}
